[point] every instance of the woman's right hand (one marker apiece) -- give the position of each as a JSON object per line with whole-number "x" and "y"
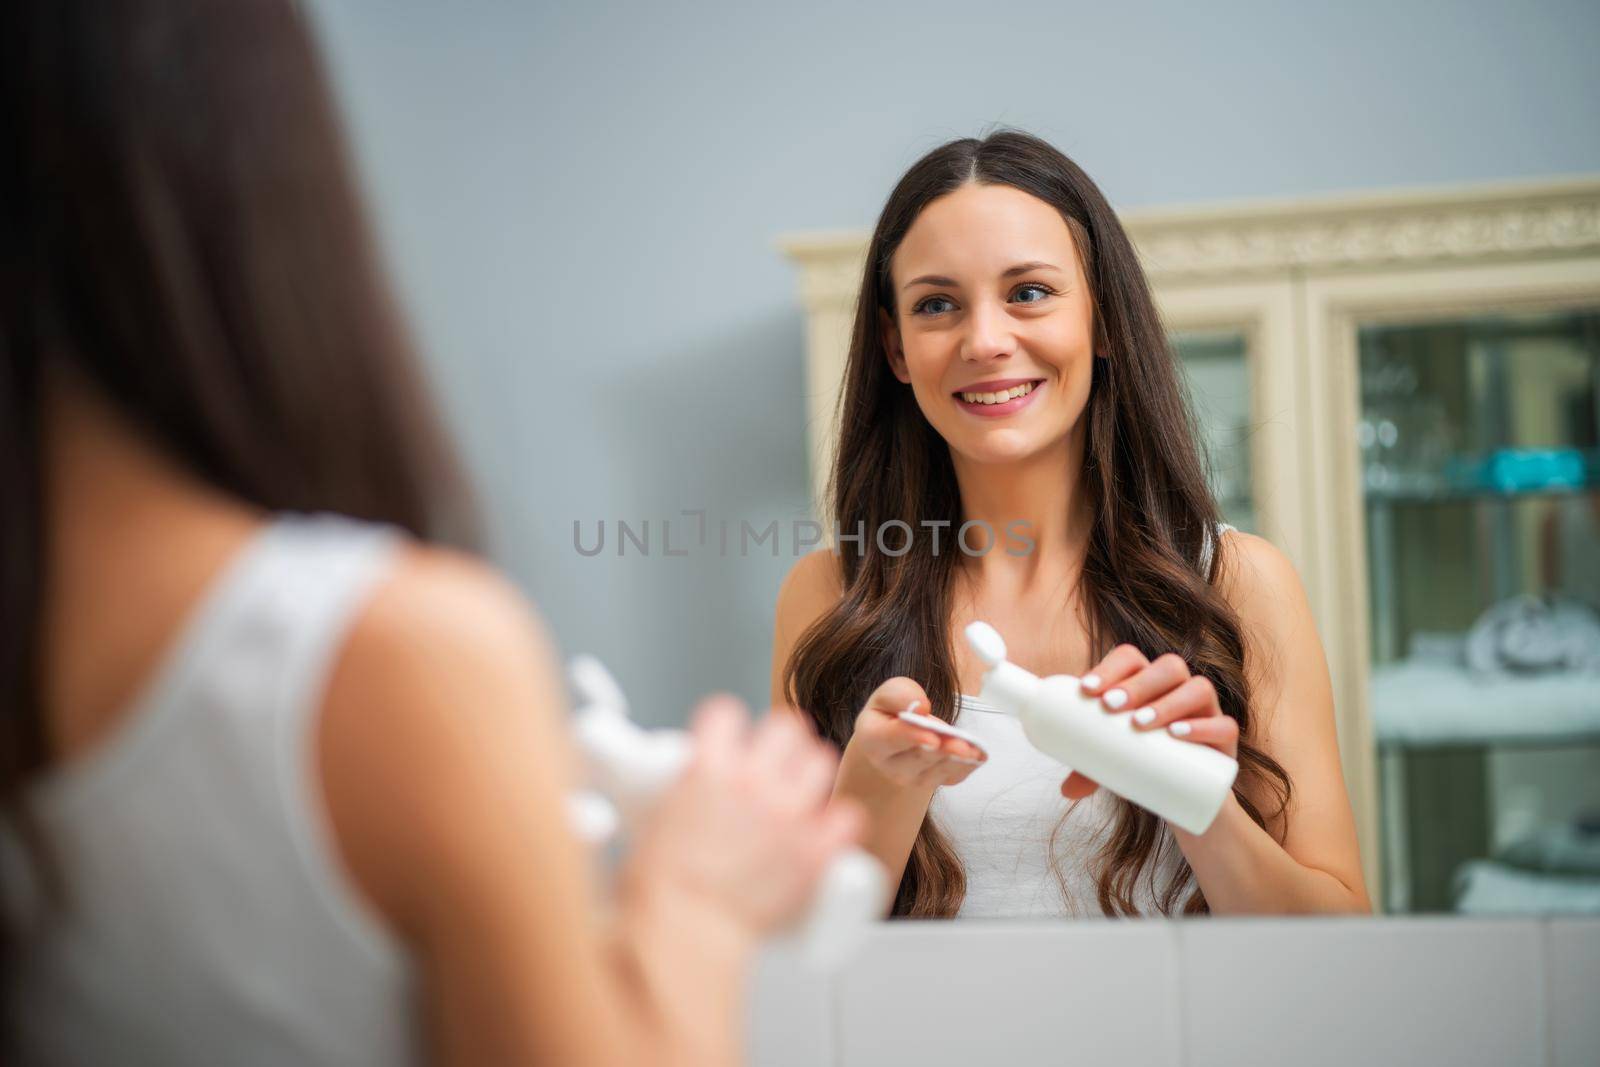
{"x": 905, "y": 754}
{"x": 747, "y": 831}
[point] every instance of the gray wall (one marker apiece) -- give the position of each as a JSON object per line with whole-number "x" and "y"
{"x": 580, "y": 202}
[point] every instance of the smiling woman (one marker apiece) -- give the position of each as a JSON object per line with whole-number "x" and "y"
{"x": 965, "y": 320}
{"x": 1007, "y": 366}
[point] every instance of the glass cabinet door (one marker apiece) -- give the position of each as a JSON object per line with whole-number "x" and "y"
{"x": 1217, "y": 369}
{"x": 1480, "y": 464}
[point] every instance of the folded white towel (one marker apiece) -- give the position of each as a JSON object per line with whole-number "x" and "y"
{"x": 1535, "y": 635}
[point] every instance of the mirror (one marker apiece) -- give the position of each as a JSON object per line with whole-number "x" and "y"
{"x": 1423, "y": 447}
{"x": 1347, "y": 356}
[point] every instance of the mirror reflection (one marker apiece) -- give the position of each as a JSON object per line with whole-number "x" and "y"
{"x": 1009, "y": 377}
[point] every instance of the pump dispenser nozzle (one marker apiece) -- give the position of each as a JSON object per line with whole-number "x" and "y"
{"x": 986, "y": 642}
{"x": 1005, "y": 685}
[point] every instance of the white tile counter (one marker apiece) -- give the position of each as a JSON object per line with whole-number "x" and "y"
{"x": 1193, "y": 993}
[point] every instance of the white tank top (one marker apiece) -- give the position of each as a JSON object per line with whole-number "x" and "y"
{"x": 207, "y": 920}
{"x": 1028, "y": 851}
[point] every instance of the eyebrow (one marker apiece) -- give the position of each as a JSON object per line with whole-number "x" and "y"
{"x": 1020, "y": 268}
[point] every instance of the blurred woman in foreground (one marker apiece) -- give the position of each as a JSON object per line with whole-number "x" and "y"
{"x": 282, "y": 777}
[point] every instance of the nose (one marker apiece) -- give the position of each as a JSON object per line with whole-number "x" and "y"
{"x": 988, "y": 334}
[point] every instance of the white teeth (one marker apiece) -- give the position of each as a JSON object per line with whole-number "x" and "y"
{"x": 998, "y": 398}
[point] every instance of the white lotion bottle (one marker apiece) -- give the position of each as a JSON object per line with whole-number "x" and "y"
{"x": 1183, "y": 782}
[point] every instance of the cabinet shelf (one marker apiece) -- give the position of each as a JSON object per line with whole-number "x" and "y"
{"x": 1449, "y": 495}
{"x": 1507, "y": 474}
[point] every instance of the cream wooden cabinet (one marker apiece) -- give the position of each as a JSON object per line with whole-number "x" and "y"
{"x": 1296, "y": 282}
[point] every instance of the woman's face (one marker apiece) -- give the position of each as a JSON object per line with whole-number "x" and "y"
{"x": 990, "y": 303}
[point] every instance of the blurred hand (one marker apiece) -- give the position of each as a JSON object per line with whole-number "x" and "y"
{"x": 1159, "y": 695}
{"x": 905, "y": 754}
{"x": 748, "y": 830}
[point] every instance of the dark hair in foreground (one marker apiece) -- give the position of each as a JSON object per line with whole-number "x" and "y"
{"x": 1141, "y": 583}
{"x": 180, "y": 232}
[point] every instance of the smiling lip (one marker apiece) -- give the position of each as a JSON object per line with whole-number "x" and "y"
{"x": 994, "y": 385}
{"x": 1009, "y": 407}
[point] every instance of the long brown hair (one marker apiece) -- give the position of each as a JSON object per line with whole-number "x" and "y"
{"x": 180, "y": 230}
{"x": 1141, "y": 582}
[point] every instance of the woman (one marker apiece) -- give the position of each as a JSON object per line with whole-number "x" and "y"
{"x": 1008, "y": 373}
{"x": 283, "y": 781}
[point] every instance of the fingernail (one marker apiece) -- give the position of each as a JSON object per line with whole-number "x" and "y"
{"x": 1180, "y": 729}
{"x": 914, "y": 705}
{"x": 1145, "y": 716}
{"x": 1116, "y": 698}
{"x": 927, "y": 748}
{"x": 1091, "y": 681}
{"x": 968, "y": 762}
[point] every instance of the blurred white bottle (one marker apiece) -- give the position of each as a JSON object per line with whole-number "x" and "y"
{"x": 629, "y": 769}
{"x": 1183, "y": 782}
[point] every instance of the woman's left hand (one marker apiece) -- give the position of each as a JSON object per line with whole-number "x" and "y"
{"x": 1159, "y": 695}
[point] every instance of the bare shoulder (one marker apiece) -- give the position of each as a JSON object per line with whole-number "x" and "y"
{"x": 1256, "y": 577}
{"x": 440, "y": 611}
{"x": 813, "y": 585}
{"x": 447, "y": 651}
{"x": 1284, "y": 657}
{"x": 449, "y": 678}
